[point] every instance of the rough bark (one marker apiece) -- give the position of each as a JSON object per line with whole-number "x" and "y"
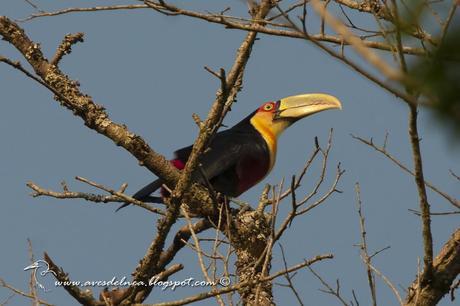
{"x": 446, "y": 267}
{"x": 250, "y": 235}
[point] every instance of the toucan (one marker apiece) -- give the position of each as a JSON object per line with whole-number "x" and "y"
{"x": 241, "y": 156}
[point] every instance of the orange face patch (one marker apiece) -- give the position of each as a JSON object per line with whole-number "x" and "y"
{"x": 263, "y": 121}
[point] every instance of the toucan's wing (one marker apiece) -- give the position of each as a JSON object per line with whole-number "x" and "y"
{"x": 148, "y": 189}
{"x": 226, "y": 150}
{"x": 219, "y": 163}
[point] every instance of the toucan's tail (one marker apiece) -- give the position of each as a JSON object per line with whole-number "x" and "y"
{"x": 144, "y": 193}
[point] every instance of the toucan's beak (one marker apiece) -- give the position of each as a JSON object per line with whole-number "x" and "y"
{"x": 297, "y": 107}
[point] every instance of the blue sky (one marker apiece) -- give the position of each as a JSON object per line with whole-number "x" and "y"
{"x": 147, "y": 70}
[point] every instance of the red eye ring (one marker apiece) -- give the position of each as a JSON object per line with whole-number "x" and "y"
{"x": 268, "y": 106}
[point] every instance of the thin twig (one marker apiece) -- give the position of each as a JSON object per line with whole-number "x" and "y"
{"x": 17, "y": 65}
{"x": 360, "y": 47}
{"x": 454, "y": 175}
{"x": 7, "y": 300}
{"x": 217, "y": 242}
{"x": 33, "y": 5}
{"x": 32, "y": 282}
{"x": 382, "y": 13}
{"x": 325, "y": 154}
{"x": 115, "y": 197}
{"x": 305, "y": 168}
{"x": 22, "y": 293}
{"x": 416, "y": 212}
{"x": 446, "y": 23}
{"x": 388, "y": 282}
{"x": 66, "y": 47}
{"x": 228, "y": 21}
{"x": 289, "y": 278}
{"x": 206, "y": 295}
{"x": 182, "y": 235}
{"x": 379, "y": 251}
{"x": 327, "y": 194}
{"x": 85, "y": 9}
{"x": 121, "y": 195}
{"x": 332, "y": 189}
{"x": 395, "y": 13}
{"x": 335, "y": 292}
{"x": 364, "y": 250}
{"x": 382, "y": 149}
{"x": 83, "y": 297}
{"x": 348, "y": 62}
{"x": 199, "y": 253}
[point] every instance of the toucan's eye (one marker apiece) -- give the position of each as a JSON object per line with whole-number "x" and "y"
{"x": 268, "y": 106}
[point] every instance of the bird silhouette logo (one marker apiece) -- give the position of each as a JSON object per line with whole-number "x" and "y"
{"x": 43, "y": 268}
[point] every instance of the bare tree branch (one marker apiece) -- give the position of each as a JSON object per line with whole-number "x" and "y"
{"x": 380, "y": 10}
{"x": 289, "y": 279}
{"x": 116, "y": 196}
{"x": 424, "y": 205}
{"x": 94, "y": 116}
{"x": 363, "y": 246}
{"x": 206, "y": 295}
{"x": 83, "y": 297}
{"x": 228, "y": 21}
{"x": 179, "y": 240}
{"x": 384, "y": 151}
{"x": 85, "y": 9}
{"x": 388, "y": 282}
{"x": 32, "y": 283}
{"x": 329, "y": 290}
{"x": 348, "y": 62}
{"x": 298, "y": 206}
{"x": 448, "y": 20}
{"x": 21, "y": 293}
{"x": 357, "y": 44}
{"x": 199, "y": 254}
{"x": 446, "y": 267}
{"x": 418, "y": 213}
{"x": 66, "y": 47}
{"x": 454, "y": 175}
